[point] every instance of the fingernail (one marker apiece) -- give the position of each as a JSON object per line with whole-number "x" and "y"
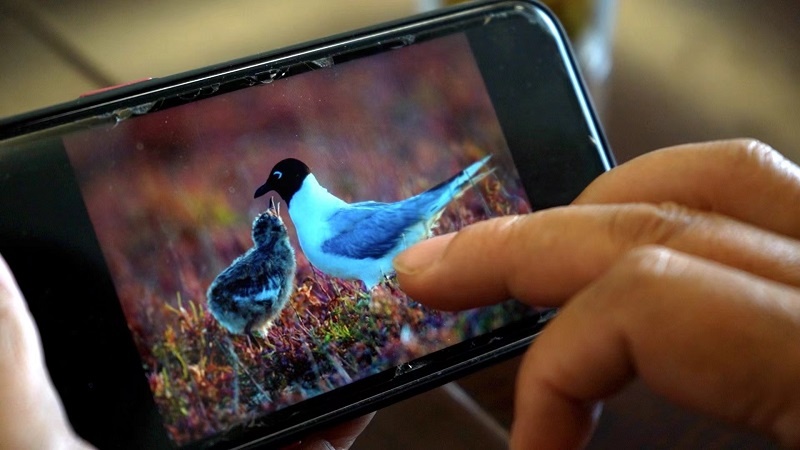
{"x": 422, "y": 255}
{"x": 7, "y": 283}
{"x": 311, "y": 444}
{"x": 597, "y": 411}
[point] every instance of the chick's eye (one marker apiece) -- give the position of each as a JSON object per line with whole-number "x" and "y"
{"x": 278, "y": 174}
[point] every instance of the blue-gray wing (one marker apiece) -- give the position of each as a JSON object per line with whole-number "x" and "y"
{"x": 370, "y": 229}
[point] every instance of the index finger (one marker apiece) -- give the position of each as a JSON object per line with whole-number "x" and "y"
{"x": 546, "y": 257}
{"x": 710, "y": 200}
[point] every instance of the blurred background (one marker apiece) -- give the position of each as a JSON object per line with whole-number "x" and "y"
{"x": 661, "y": 73}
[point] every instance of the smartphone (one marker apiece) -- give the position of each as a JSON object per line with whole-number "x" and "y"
{"x": 123, "y": 211}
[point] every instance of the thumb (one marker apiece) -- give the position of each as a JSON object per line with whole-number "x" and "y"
{"x": 31, "y": 414}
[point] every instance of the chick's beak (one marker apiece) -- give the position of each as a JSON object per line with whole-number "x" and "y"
{"x": 274, "y": 208}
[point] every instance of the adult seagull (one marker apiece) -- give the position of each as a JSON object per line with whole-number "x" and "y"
{"x": 359, "y": 240}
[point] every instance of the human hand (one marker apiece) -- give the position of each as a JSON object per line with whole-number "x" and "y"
{"x": 680, "y": 267}
{"x": 31, "y": 415}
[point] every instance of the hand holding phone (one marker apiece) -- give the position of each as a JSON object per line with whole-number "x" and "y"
{"x": 31, "y": 414}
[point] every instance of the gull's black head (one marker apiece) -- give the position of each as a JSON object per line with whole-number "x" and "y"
{"x": 285, "y": 178}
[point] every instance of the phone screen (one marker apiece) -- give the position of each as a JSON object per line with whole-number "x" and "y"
{"x": 256, "y": 312}
{"x": 170, "y": 198}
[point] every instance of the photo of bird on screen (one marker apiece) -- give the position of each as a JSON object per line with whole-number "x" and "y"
{"x": 358, "y": 241}
{"x": 238, "y": 309}
{"x": 248, "y": 295}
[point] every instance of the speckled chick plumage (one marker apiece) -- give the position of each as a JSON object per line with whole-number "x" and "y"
{"x": 252, "y": 291}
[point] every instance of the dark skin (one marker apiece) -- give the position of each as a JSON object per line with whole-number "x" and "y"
{"x": 681, "y": 268}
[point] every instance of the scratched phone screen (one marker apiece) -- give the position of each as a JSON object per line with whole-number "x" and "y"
{"x": 171, "y": 197}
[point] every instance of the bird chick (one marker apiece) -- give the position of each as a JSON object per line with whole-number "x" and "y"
{"x": 252, "y": 291}
{"x": 359, "y": 240}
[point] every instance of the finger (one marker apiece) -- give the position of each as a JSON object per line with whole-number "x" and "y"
{"x": 546, "y": 257}
{"x": 340, "y": 437}
{"x": 343, "y": 436}
{"x": 31, "y": 415}
{"x": 744, "y": 179}
{"x": 20, "y": 343}
{"x": 710, "y": 338}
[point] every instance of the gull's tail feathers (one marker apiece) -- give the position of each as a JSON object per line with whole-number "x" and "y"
{"x": 445, "y": 192}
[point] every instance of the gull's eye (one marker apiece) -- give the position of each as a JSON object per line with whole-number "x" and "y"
{"x": 278, "y": 174}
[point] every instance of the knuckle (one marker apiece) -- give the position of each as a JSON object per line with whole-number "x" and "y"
{"x": 754, "y": 162}
{"x": 637, "y": 274}
{"x": 640, "y": 271}
{"x": 648, "y": 263}
{"x": 753, "y": 153}
{"x": 642, "y": 224}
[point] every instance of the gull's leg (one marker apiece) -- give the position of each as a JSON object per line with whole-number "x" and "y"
{"x": 321, "y": 286}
